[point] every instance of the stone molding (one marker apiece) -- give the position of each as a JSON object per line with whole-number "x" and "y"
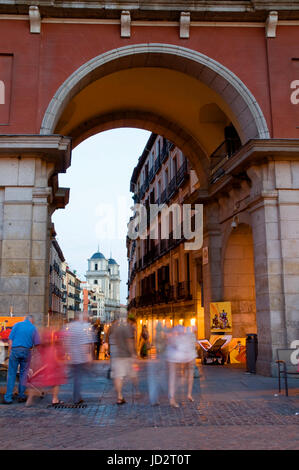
{"x": 261, "y": 150}
{"x": 255, "y": 152}
{"x": 35, "y": 19}
{"x": 52, "y": 148}
{"x": 125, "y": 22}
{"x": 271, "y": 24}
{"x": 158, "y": 9}
{"x": 185, "y": 25}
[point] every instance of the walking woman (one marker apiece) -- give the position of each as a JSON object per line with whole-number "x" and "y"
{"x": 180, "y": 354}
{"x": 48, "y": 366}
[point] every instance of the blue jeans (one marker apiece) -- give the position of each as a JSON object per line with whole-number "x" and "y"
{"x": 18, "y": 357}
{"x": 77, "y": 373}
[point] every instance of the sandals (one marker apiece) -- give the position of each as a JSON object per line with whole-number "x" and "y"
{"x": 59, "y": 402}
{"x": 121, "y": 402}
{"x": 174, "y": 404}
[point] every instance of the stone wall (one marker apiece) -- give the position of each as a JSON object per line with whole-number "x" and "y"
{"x": 26, "y": 200}
{"x": 238, "y": 280}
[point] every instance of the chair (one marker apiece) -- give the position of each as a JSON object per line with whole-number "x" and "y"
{"x": 285, "y": 367}
{"x": 213, "y": 351}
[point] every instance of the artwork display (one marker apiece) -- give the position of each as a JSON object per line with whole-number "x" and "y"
{"x": 6, "y": 324}
{"x": 221, "y": 317}
{"x": 238, "y": 351}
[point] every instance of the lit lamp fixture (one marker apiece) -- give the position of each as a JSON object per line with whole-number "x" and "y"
{"x": 171, "y": 322}
{"x": 235, "y": 222}
{"x": 193, "y": 321}
{"x": 140, "y": 322}
{"x": 181, "y": 321}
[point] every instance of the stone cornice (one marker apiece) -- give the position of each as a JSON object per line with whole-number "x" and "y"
{"x": 255, "y": 10}
{"x": 258, "y": 151}
{"x": 254, "y": 152}
{"x": 52, "y": 148}
{"x": 61, "y": 198}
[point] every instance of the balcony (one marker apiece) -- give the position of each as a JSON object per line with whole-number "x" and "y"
{"x": 222, "y": 153}
{"x": 179, "y": 178}
{"x": 183, "y": 291}
{"x": 182, "y": 174}
{"x": 171, "y": 188}
{"x": 164, "y": 295}
{"x": 163, "y": 245}
{"x": 157, "y": 164}
{"x": 163, "y": 197}
{"x": 151, "y": 174}
{"x": 165, "y": 151}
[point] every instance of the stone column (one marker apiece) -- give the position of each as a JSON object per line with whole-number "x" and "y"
{"x": 275, "y": 221}
{"x": 212, "y": 276}
{"x": 287, "y": 184}
{"x": 26, "y": 165}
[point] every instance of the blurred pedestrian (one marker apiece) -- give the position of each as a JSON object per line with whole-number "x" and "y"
{"x": 97, "y": 330}
{"x": 181, "y": 354}
{"x": 109, "y": 345}
{"x": 156, "y": 368}
{"x": 188, "y": 364}
{"x": 23, "y": 337}
{"x": 47, "y": 367}
{"x": 122, "y": 356}
{"x": 144, "y": 342}
{"x": 79, "y": 341}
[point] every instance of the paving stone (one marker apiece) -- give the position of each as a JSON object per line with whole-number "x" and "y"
{"x": 244, "y": 410}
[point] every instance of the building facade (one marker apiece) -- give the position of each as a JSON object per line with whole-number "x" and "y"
{"x": 103, "y": 279}
{"x": 165, "y": 281}
{"x": 155, "y": 66}
{"x": 72, "y": 293}
{"x": 56, "y": 286}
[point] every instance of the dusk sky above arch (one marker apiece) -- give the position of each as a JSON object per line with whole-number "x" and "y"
{"x": 99, "y": 178}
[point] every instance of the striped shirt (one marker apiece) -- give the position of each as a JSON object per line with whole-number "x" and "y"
{"x": 78, "y": 336}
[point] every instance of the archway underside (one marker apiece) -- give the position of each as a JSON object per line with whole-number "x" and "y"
{"x": 164, "y": 101}
{"x": 154, "y": 123}
{"x": 177, "y": 92}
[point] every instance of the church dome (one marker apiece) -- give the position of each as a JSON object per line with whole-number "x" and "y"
{"x": 111, "y": 261}
{"x": 98, "y": 255}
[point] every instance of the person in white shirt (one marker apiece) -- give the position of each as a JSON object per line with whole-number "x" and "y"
{"x": 180, "y": 352}
{"x": 79, "y": 340}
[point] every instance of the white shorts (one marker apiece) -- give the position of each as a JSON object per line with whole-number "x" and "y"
{"x": 122, "y": 367}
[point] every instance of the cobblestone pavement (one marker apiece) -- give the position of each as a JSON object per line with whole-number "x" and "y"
{"x": 231, "y": 410}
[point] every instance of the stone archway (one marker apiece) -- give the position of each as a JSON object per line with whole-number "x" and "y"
{"x": 234, "y": 92}
{"x": 236, "y": 100}
{"x": 244, "y": 110}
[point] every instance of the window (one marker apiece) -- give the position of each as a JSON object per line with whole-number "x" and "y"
{"x": 158, "y": 147}
{"x": 96, "y": 267}
{"x": 166, "y": 178}
{"x": 152, "y": 159}
{"x": 176, "y": 271}
{"x": 95, "y": 281}
{"x": 159, "y": 188}
{"x": 174, "y": 166}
